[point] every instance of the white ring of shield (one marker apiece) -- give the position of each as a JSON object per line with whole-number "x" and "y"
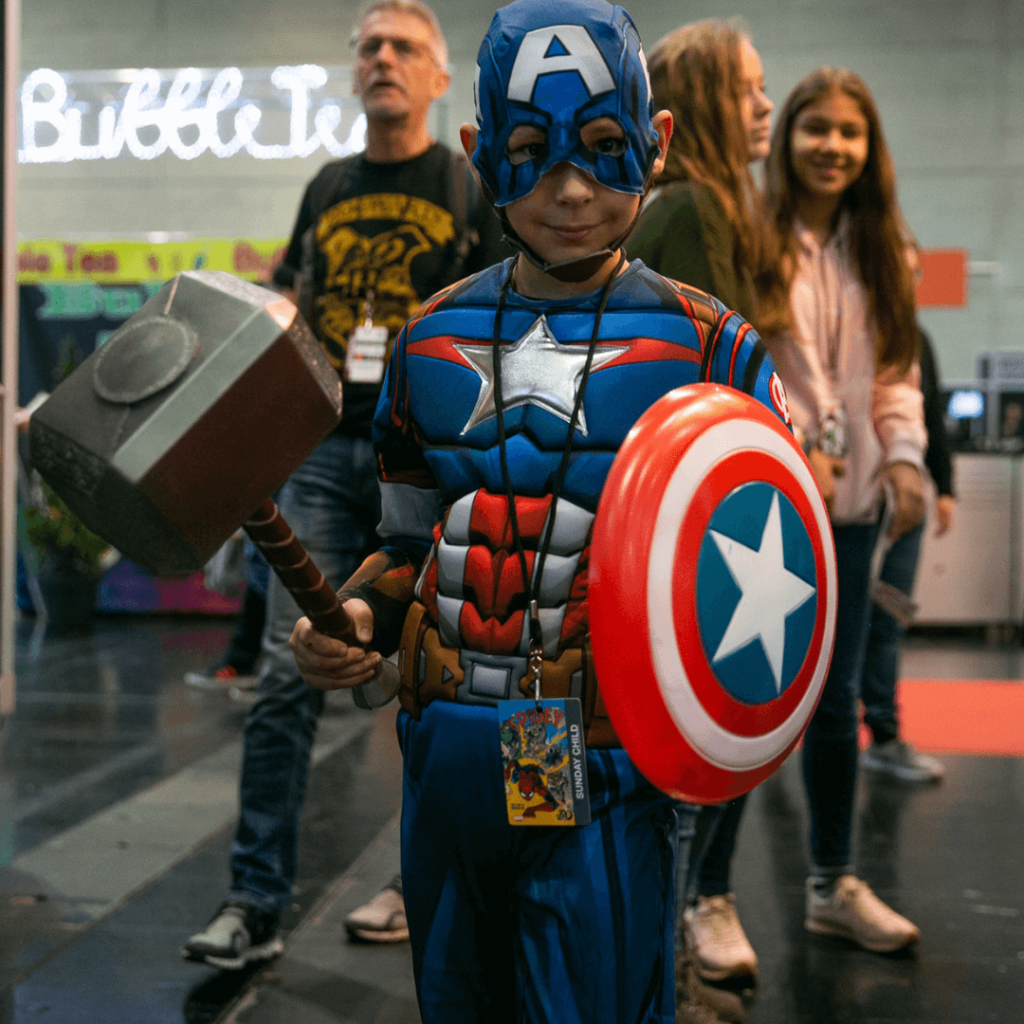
{"x": 725, "y": 749}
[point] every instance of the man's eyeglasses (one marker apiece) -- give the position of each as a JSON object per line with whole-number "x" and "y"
{"x": 405, "y": 50}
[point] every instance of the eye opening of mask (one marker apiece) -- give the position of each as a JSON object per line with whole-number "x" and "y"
{"x": 600, "y": 136}
{"x": 526, "y": 142}
{"x": 605, "y": 136}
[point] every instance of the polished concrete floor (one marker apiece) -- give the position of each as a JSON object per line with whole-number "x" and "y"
{"x": 117, "y": 800}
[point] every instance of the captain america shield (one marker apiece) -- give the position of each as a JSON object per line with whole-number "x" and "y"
{"x": 712, "y": 593}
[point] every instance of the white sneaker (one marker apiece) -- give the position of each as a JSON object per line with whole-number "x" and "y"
{"x": 854, "y": 912}
{"x": 719, "y": 944}
{"x": 382, "y": 919}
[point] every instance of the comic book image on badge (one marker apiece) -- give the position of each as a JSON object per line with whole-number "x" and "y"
{"x": 544, "y": 762}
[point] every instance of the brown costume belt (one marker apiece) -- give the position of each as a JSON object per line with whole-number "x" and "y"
{"x": 431, "y": 671}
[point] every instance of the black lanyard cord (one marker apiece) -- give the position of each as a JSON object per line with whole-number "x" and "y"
{"x": 536, "y": 636}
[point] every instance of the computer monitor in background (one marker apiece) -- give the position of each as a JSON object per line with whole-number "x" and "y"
{"x": 964, "y": 409}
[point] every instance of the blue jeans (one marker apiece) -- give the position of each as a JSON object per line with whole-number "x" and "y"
{"x": 830, "y": 743}
{"x": 882, "y": 660}
{"x": 705, "y": 840}
{"x": 687, "y": 816}
{"x": 332, "y": 502}
{"x": 717, "y": 828}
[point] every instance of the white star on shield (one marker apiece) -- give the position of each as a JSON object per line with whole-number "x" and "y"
{"x": 536, "y": 370}
{"x": 770, "y": 593}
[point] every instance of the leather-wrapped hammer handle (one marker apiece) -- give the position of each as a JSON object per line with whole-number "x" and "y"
{"x": 278, "y": 544}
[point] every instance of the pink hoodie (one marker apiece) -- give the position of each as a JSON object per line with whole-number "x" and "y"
{"x": 830, "y": 359}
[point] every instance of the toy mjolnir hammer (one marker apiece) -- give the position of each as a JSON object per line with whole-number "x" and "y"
{"x": 173, "y": 434}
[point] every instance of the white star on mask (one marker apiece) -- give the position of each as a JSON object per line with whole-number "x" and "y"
{"x": 536, "y": 370}
{"x": 770, "y": 594}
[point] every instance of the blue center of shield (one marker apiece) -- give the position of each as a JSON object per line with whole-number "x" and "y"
{"x": 756, "y": 594}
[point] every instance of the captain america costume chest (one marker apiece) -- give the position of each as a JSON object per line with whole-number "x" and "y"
{"x": 436, "y": 428}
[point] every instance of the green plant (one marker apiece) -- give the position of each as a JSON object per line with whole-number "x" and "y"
{"x": 59, "y": 535}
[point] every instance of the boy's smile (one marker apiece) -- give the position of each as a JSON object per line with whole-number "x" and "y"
{"x": 569, "y": 215}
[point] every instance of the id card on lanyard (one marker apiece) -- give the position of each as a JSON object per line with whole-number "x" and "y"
{"x": 367, "y": 350}
{"x": 544, "y": 762}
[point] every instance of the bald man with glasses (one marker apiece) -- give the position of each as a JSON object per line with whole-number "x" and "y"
{"x": 376, "y": 234}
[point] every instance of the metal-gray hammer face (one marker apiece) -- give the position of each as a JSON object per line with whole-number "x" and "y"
{"x": 195, "y": 410}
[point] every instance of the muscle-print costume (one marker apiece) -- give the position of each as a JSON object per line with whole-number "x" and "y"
{"x": 446, "y": 523}
{"x": 448, "y": 587}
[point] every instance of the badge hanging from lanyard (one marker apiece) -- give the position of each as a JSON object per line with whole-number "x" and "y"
{"x": 544, "y": 761}
{"x": 542, "y": 751}
{"x": 367, "y": 350}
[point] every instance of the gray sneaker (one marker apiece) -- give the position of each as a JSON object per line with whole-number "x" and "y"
{"x": 900, "y": 760}
{"x": 220, "y": 678}
{"x": 237, "y": 934}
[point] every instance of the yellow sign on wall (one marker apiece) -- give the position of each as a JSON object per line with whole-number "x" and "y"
{"x": 117, "y": 262}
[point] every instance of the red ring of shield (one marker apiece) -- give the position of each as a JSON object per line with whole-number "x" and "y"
{"x": 735, "y": 469}
{"x": 617, "y": 593}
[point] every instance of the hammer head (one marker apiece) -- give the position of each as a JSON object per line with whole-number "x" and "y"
{"x": 168, "y": 437}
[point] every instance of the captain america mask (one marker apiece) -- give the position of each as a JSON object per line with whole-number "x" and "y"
{"x": 556, "y": 65}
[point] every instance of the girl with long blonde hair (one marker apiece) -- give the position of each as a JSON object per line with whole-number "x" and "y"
{"x": 703, "y": 224}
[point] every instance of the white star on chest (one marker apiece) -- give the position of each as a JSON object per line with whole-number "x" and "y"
{"x": 770, "y": 593}
{"x": 536, "y": 370}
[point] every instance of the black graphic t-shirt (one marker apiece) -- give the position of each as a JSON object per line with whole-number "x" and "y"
{"x": 379, "y": 239}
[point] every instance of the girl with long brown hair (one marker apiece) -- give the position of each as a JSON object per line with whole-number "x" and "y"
{"x": 845, "y": 281}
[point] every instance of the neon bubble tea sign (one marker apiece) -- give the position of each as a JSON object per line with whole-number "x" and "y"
{"x": 68, "y": 116}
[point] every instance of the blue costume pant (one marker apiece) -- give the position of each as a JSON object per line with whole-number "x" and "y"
{"x": 531, "y": 925}
{"x": 882, "y": 660}
{"x": 332, "y": 502}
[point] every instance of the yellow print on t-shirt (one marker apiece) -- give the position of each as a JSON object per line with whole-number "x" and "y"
{"x": 357, "y": 266}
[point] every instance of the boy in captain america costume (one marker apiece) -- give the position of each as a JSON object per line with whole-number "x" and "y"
{"x": 506, "y": 400}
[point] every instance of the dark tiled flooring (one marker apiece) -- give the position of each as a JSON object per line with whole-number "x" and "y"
{"x": 117, "y": 795}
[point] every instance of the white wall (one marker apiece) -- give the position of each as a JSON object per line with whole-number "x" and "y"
{"x": 948, "y": 77}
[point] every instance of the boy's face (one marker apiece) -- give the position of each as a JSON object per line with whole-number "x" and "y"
{"x": 569, "y": 214}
